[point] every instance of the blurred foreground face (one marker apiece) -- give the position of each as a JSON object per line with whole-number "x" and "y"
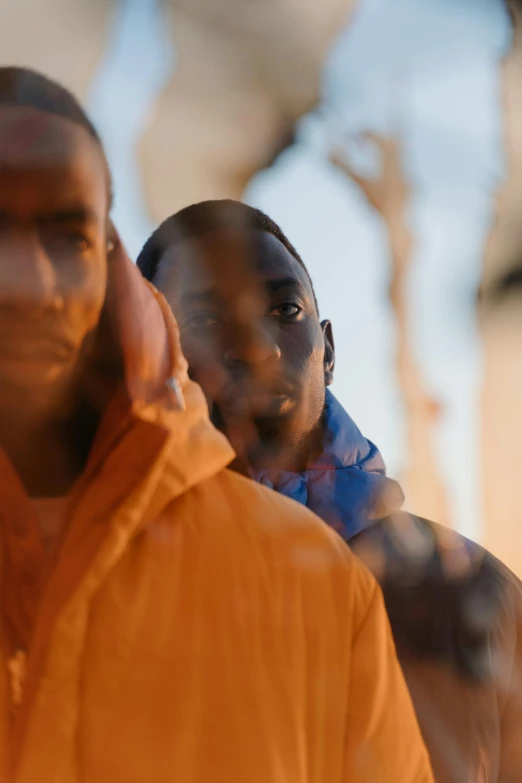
{"x": 251, "y": 334}
{"x": 53, "y": 211}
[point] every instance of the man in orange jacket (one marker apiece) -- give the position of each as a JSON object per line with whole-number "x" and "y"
{"x": 265, "y": 361}
{"x": 162, "y": 618}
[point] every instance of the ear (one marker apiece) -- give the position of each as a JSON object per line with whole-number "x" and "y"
{"x": 329, "y": 352}
{"x": 112, "y": 236}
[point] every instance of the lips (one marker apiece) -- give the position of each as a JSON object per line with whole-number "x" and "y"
{"x": 33, "y": 345}
{"x": 35, "y": 352}
{"x": 259, "y": 402}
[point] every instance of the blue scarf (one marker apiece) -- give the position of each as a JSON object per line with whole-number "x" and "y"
{"x": 347, "y": 486}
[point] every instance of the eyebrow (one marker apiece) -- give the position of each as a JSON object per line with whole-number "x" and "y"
{"x": 200, "y": 297}
{"x": 212, "y": 298}
{"x": 75, "y": 214}
{"x": 273, "y": 286}
{"x": 72, "y": 215}
{"x": 83, "y": 215}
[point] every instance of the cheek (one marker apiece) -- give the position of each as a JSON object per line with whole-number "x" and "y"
{"x": 85, "y": 300}
{"x": 205, "y": 363}
{"x": 303, "y": 352}
{"x": 304, "y": 361}
{"x": 193, "y": 350}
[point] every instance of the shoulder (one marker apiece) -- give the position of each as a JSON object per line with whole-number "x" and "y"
{"x": 488, "y": 582}
{"x": 479, "y": 566}
{"x": 447, "y": 597}
{"x": 254, "y": 509}
{"x": 435, "y": 550}
{"x": 263, "y": 529}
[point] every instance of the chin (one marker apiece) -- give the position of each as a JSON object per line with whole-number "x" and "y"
{"x": 32, "y": 376}
{"x": 290, "y": 428}
{"x": 279, "y": 435}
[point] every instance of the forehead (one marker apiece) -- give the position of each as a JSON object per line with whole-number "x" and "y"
{"x": 193, "y": 266}
{"x": 46, "y": 159}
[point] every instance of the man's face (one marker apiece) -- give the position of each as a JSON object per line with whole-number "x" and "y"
{"x": 53, "y": 251}
{"x": 251, "y": 334}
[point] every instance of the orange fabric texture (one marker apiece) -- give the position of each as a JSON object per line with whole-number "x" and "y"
{"x": 50, "y": 513}
{"x": 195, "y": 626}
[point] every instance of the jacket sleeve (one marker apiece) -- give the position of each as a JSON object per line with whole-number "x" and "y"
{"x": 384, "y": 742}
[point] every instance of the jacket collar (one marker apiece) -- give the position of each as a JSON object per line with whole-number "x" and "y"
{"x": 155, "y": 441}
{"x": 156, "y": 388}
{"x": 347, "y": 485}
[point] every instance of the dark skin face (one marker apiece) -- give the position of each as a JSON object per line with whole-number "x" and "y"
{"x": 53, "y": 246}
{"x": 253, "y": 340}
{"x": 54, "y": 204}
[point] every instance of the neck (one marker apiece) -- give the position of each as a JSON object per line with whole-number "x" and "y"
{"x": 48, "y": 434}
{"x": 277, "y": 455}
{"x": 47, "y": 439}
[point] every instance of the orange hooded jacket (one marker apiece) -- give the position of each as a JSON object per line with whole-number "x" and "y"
{"x": 196, "y": 626}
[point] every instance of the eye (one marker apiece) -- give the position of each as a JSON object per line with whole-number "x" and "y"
{"x": 203, "y": 322}
{"x": 79, "y": 241}
{"x": 289, "y": 310}
{"x": 76, "y": 242}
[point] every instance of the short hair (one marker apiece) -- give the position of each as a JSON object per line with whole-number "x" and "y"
{"x": 25, "y": 87}
{"x": 198, "y": 219}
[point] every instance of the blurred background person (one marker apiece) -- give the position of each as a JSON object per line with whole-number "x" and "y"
{"x": 266, "y": 364}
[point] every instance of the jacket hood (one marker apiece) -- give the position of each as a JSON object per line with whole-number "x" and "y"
{"x": 154, "y": 442}
{"x": 144, "y": 345}
{"x": 347, "y": 486}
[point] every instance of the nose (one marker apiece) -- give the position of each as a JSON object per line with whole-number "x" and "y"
{"x": 28, "y": 278}
{"x": 254, "y": 346}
